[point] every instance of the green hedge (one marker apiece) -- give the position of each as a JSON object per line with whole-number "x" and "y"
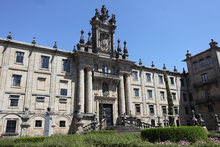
{"x": 188, "y": 133}
{"x": 102, "y": 132}
{"x": 30, "y": 139}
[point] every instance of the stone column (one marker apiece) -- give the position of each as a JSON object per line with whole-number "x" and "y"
{"x": 128, "y": 94}
{"x": 89, "y": 98}
{"x": 121, "y": 96}
{"x": 81, "y": 90}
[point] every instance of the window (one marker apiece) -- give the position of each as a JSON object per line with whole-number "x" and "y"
{"x": 16, "y": 80}
{"x": 176, "y": 110}
{"x": 162, "y": 95}
{"x": 151, "y": 108}
{"x": 11, "y": 126}
{"x": 62, "y": 123}
{"x": 160, "y": 79}
{"x": 113, "y": 71}
{"x": 135, "y": 75}
{"x": 19, "y": 57}
{"x": 190, "y": 97}
{"x": 172, "y": 80}
{"x": 207, "y": 93}
{"x": 186, "y": 110}
{"x": 148, "y": 77}
{"x": 14, "y": 100}
{"x": 45, "y": 62}
{"x": 150, "y": 93}
{"x": 174, "y": 96}
{"x": 38, "y": 123}
{"x": 210, "y": 108}
{"x": 63, "y": 91}
{"x": 182, "y": 82}
{"x": 204, "y": 78}
{"x": 137, "y": 108}
{"x": 96, "y": 68}
{"x": 136, "y": 92}
{"x": 66, "y": 65}
{"x": 41, "y": 82}
{"x": 201, "y": 63}
{"x": 152, "y": 122}
{"x": 194, "y": 65}
{"x": 40, "y": 99}
{"x": 105, "y": 69}
{"x": 164, "y": 109}
{"x": 208, "y": 60}
{"x": 184, "y": 97}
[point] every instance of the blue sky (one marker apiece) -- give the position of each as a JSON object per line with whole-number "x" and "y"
{"x": 156, "y": 30}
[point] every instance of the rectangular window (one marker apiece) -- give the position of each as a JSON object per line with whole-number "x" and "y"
{"x": 160, "y": 78}
{"x": 16, "y": 80}
{"x": 105, "y": 69}
{"x": 150, "y": 93}
{"x": 164, "y": 109}
{"x": 152, "y": 122}
{"x": 186, "y": 110}
{"x": 184, "y": 97}
{"x": 66, "y": 65}
{"x": 210, "y": 108}
{"x": 182, "y": 82}
{"x": 148, "y": 77}
{"x": 172, "y": 80}
{"x": 151, "y": 109}
{"x": 162, "y": 95}
{"x": 96, "y": 67}
{"x": 11, "y": 126}
{"x": 136, "y": 92}
{"x": 63, "y": 91}
{"x": 135, "y": 75}
{"x": 38, "y": 123}
{"x": 45, "y": 62}
{"x": 19, "y": 57}
{"x": 176, "y": 111}
{"x": 190, "y": 97}
{"x": 174, "y": 96}
{"x": 204, "y": 78}
{"x": 113, "y": 70}
{"x": 137, "y": 108}
{"x": 14, "y": 100}
{"x": 40, "y": 99}
{"x": 62, "y": 123}
{"x": 207, "y": 93}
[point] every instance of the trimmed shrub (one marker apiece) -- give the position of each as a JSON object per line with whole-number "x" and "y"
{"x": 102, "y": 132}
{"x": 175, "y": 134}
{"x": 214, "y": 134}
{"x": 30, "y": 139}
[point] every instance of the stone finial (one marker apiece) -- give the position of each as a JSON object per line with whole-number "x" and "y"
{"x": 119, "y": 47}
{"x": 97, "y": 14}
{"x": 104, "y": 12}
{"x": 140, "y": 62}
{"x": 9, "y": 35}
{"x": 188, "y": 55}
{"x": 74, "y": 48}
{"x": 164, "y": 67}
{"x": 34, "y": 40}
{"x": 213, "y": 44}
{"x": 112, "y": 20}
{"x": 175, "y": 70}
{"x": 125, "y": 56}
{"x": 201, "y": 121}
{"x": 82, "y": 40}
{"x": 89, "y": 42}
{"x": 184, "y": 70}
{"x": 195, "y": 121}
{"x": 55, "y": 45}
{"x": 152, "y": 64}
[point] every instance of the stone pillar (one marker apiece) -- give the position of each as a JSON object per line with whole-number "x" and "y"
{"x": 48, "y": 123}
{"x": 121, "y": 96}
{"x": 89, "y": 97}
{"x": 128, "y": 94}
{"x": 81, "y": 90}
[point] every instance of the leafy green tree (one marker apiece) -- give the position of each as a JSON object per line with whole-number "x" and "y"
{"x": 169, "y": 100}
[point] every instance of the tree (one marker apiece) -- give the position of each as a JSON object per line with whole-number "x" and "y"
{"x": 169, "y": 100}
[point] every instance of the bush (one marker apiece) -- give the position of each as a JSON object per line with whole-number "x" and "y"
{"x": 214, "y": 134}
{"x": 29, "y": 139}
{"x": 102, "y": 132}
{"x": 188, "y": 133}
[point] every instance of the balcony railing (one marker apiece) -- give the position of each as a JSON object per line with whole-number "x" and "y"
{"x": 105, "y": 75}
{"x": 209, "y": 99}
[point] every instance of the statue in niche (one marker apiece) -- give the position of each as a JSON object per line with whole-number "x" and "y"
{"x": 105, "y": 89}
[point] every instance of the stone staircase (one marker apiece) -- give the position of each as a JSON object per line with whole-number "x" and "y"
{"x": 124, "y": 129}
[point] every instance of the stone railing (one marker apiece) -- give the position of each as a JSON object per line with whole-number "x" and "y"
{"x": 105, "y": 75}
{"x": 94, "y": 125}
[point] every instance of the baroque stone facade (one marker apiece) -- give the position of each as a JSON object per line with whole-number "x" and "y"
{"x": 42, "y": 86}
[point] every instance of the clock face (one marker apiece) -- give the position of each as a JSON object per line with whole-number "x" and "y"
{"x": 104, "y": 41}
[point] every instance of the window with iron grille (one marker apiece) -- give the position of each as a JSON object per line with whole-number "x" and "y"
{"x": 19, "y": 57}
{"x": 11, "y": 126}
{"x": 45, "y": 62}
{"x": 16, "y": 80}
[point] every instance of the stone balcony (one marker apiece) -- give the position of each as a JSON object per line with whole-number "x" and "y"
{"x": 206, "y": 100}
{"x": 105, "y": 75}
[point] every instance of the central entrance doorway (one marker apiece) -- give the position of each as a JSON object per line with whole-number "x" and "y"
{"x": 107, "y": 111}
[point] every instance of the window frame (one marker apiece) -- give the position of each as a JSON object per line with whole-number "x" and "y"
{"x": 66, "y": 65}
{"x": 136, "y": 92}
{"x": 45, "y": 62}
{"x": 37, "y": 122}
{"x": 15, "y": 126}
{"x": 135, "y": 75}
{"x": 19, "y": 57}
{"x": 16, "y": 80}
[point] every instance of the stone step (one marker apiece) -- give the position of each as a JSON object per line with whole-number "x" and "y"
{"x": 123, "y": 129}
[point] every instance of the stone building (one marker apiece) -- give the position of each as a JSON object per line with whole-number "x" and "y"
{"x": 80, "y": 85}
{"x": 204, "y": 80}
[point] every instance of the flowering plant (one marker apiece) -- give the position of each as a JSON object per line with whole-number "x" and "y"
{"x": 215, "y": 139}
{"x": 184, "y": 142}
